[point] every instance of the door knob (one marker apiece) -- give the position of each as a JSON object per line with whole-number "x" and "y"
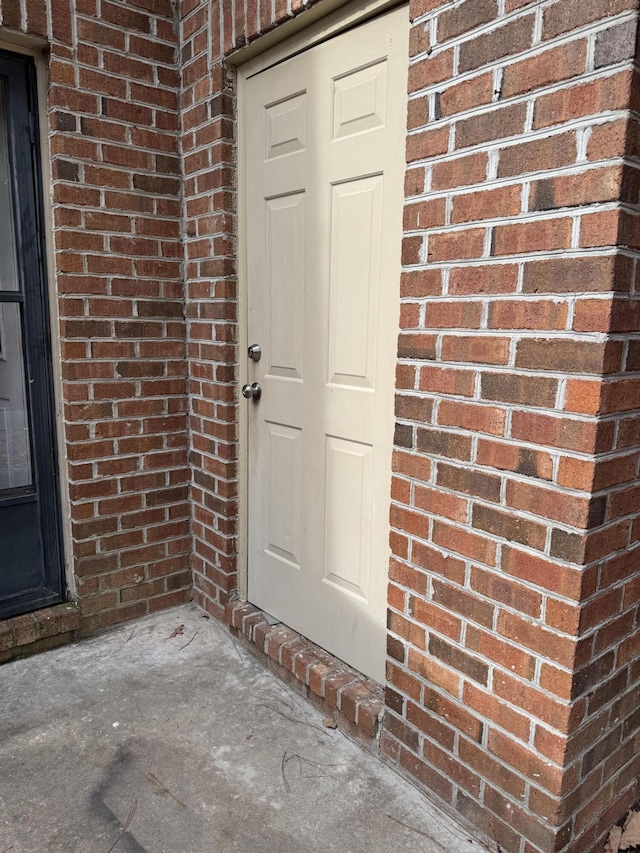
{"x": 253, "y": 391}
{"x": 254, "y": 352}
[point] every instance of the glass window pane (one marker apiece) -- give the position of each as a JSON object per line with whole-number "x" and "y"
{"x": 8, "y": 266}
{"x": 15, "y": 453}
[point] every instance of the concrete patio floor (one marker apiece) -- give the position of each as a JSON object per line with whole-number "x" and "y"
{"x": 188, "y": 743}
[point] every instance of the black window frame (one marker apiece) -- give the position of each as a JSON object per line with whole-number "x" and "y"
{"x": 19, "y": 75}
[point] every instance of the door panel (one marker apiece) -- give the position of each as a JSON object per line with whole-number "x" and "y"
{"x": 356, "y": 241}
{"x": 324, "y": 140}
{"x": 285, "y": 269}
{"x": 285, "y": 123}
{"x": 359, "y": 100}
{"x": 283, "y": 493}
{"x": 348, "y": 515}
{"x": 30, "y": 542}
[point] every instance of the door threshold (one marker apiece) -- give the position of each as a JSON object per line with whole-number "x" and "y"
{"x": 354, "y": 702}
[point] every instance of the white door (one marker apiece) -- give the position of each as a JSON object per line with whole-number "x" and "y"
{"x": 324, "y": 136}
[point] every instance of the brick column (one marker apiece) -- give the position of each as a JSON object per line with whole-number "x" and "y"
{"x": 207, "y": 103}
{"x": 514, "y": 661}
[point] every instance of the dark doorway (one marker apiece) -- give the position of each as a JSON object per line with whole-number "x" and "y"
{"x": 31, "y": 566}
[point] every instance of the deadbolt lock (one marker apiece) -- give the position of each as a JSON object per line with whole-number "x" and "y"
{"x": 255, "y": 352}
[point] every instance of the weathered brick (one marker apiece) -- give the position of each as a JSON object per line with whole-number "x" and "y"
{"x": 427, "y": 143}
{"x": 476, "y": 483}
{"x": 509, "y": 527}
{"x": 432, "y": 68}
{"x": 466, "y": 95}
{"x": 543, "y": 573}
{"x": 608, "y": 93}
{"x": 465, "y": 415}
{"x": 562, "y": 17}
{"x": 457, "y": 659}
{"x": 440, "y": 443}
{"x": 438, "y": 563}
{"x": 480, "y": 350}
{"x": 509, "y": 457}
{"x": 504, "y": 201}
{"x": 465, "y": 17}
{"x": 499, "y": 123}
{"x": 558, "y": 354}
{"x": 464, "y": 542}
{"x": 461, "y": 171}
{"x": 536, "y": 155}
{"x": 535, "y": 236}
{"x": 551, "y": 66}
{"x": 506, "y": 591}
{"x": 498, "y": 43}
{"x": 502, "y": 652}
{"x": 596, "y": 185}
{"x": 448, "y": 246}
{"x": 456, "y": 600}
{"x": 487, "y": 278}
{"x": 513, "y": 388}
{"x": 438, "y": 503}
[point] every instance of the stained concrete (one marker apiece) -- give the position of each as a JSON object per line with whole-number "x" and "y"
{"x": 187, "y": 742}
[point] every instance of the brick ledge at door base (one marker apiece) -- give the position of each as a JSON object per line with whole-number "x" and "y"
{"x": 39, "y": 631}
{"x": 354, "y": 701}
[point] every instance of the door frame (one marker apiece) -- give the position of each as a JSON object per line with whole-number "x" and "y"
{"x": 321, "y": 23}
{"x": 37, "y": 49}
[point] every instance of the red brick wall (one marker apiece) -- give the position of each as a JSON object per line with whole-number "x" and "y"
{"x": 113, "y": 124}
{"x": 513, "y": 677}
{"x": 209, "y": 154}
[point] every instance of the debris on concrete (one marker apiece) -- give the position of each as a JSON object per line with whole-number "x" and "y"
{"x": 211, "y": 752}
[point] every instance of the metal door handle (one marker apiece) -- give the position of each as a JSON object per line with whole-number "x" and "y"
{"x": 253, "y": 391}
{"x": 254, "y": 352}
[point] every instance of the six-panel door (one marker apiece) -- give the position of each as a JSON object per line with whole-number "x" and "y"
{"x": 324, "y": 142}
